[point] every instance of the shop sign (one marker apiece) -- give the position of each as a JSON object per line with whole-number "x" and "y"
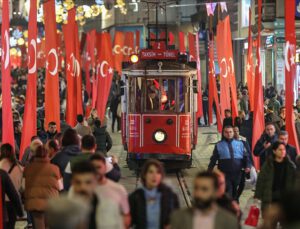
{"x": 149, "y": 54}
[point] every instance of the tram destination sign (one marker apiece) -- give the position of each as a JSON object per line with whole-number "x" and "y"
{"x": 150, "y": 54}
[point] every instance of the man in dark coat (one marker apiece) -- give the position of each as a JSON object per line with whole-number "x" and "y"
{"x": 103, "y": 139}
{"x": 290, "y": 150}
{"x": 264, "y": 142}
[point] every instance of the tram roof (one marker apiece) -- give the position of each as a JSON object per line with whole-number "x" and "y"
{"x": 159, "y": 68}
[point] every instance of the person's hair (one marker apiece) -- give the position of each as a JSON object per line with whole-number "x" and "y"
{"x": 98, "y": 157}
{"x": 80, "y": 118}
{"x": 52, "y": 123}
{"x": 16, "y": 124}
{"x": 281, "y": 108}
{"x": 270, "y": 124}
{"x": 209, "y": 175}
{"x": 236, "y": 126}
{"x": 83, "y": 167}
{"x": 283, "y": 133}
{"x": 97, "y": 123}
{"x": 34, "y": 144}
{"x": 88, "y": 142}
{"x": 227, "y": 110}
{"x": 41, "y": 152}
{"x": 8, "y": 152}
{"x": 33, "y": 138}
{"x": 152, "y": 162}
{"x": 53, "y": 144}
{"x": 70, "y": 137}
{"x": 276, "y": 145}
{"x": 67, "y": 213}
{"x": 227, "y": 127}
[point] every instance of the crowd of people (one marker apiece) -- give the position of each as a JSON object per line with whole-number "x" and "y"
{"x": 67, "y": 180}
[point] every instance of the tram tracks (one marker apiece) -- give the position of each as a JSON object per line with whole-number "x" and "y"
{"x": 186, "y": 194}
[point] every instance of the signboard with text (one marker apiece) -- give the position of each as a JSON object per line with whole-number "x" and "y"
{"x": 149, "y": 54}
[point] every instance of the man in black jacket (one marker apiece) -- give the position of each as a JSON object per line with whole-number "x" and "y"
{"x": 290, "y": 150}
{"x": 263, "y": 144}
{"x": 103, "y": 139}
{"x": 7, "y": 188}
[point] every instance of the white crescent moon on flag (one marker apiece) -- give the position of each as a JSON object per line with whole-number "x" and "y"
{"x": 286, "y": 59}
{"x": 53, "y": 51}
{"x": 232, "y": 65}
{"x": 117, "y": 49}
{"x": 77, "y": 67}
{"x": 32, "y": 69}
{"x": 223, "y": 60}
{"x": 6, "y": 53}
{"x": 102, "y": 67}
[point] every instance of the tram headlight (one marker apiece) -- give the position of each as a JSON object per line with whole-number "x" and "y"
{"x": 134, "y": 58}
{"x": 160, "y": 136}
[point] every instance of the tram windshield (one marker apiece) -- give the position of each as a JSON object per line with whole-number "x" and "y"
{"x": 159, "y": 95}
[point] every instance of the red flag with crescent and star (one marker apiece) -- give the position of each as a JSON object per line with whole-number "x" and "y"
{"x": 290, "y": 71}
{"x": 212, "y": 90}
{"x": 258, "y": 113}
{"x": 118, "y": 51}
{"x": 7, "y": 118}
{"x": 52, "y": 104}
{"x": 128, "y": 48}
{"x": 69, "y": 38}
{"x": 77, "y": 72}
{"x": 250, "y": 72}
{"x": 104, "y": 74}
{"x": 30, "y": 116}
{"x": 223, "y": 59}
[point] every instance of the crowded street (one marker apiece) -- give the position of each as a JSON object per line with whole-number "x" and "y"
{"x": 150, "y": 114}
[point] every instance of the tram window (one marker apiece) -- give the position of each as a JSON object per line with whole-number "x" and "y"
{"x": 184, "y": 99}
{"x": 135, "y": 94}
{"x": 152, "y": 94}
{"x": 168, "y": 98}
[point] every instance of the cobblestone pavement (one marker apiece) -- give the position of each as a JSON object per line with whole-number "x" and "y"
{"x": 207, "y": 138}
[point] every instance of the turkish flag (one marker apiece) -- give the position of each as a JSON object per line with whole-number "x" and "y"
{"x": 118, "y": 51}
{"x": 181, "y": 37}
{"x": 41, "y": 57}
{"x": 231, "y": 72}
{"x": 258, "y": 113}
{"x": 128, "y": 48}
{"x": 223, "y": 41}
{"x": 30, "y": 116}
{"x": 212, "y": 90}
{"x": 90, "y": 59}
{"x": 196, "y": 52}
{"x": 104, "y": 74}
{"x": 7, "y": 119}
{"x": 290, "y": 70}
{"x": 52, "y": 105}
{"x": 73, "y": 70}
{"x": 250, "y": 72}
{"x": 192, "y": 49}
{"x": 171, "y": 39}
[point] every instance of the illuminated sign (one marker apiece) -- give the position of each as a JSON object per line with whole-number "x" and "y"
{"x": 149, "y": 54}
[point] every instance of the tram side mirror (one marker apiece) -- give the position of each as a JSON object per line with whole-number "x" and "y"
{"x": 122, "y": 88}
{"x": 195, "y": 86}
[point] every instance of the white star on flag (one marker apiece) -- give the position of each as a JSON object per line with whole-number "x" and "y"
{"x": 110, "y": 70}
{"x": 292, "y": 59}
{"x": 248, "y": 67}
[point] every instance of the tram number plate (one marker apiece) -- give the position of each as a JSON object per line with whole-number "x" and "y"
{"x": 148, "y": 54}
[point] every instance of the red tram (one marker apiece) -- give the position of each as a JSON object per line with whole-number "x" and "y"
{"x": 159, "y": 105}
